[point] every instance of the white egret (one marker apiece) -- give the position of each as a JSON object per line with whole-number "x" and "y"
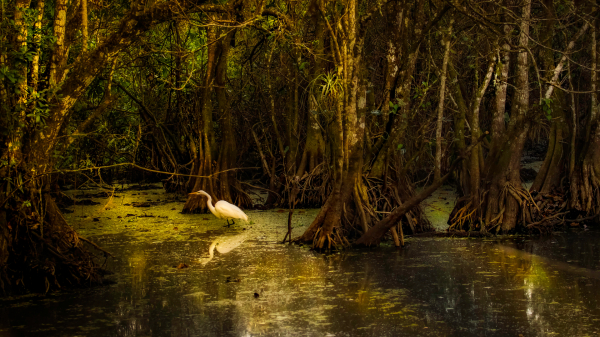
{"x": 223, "y": 209}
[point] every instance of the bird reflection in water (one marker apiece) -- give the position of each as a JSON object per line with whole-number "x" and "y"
{"x": 224, "y": 245}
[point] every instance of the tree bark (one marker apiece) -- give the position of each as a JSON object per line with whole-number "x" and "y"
{"x": 584, "y": 194}
{"x": 206, "y": 139}
{"x": 505, "y": 166}
{"x": 348, "y": 136}
{"x": 553, "y": 104}
{"x": 440, "y": 116}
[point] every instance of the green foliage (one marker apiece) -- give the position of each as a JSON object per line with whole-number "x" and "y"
{"x": 394, "y": 106}
{"x": 546, "y": 105}
{"x": 40, "y": 109}
{"x": 22, "y": 56}
{"x": 329, "y": 84}
{"x": 421, "y": 90}
{"x": 8, "y": 74}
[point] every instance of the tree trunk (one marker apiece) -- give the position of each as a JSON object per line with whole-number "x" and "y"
{"x": 475, "y": 162}
{"x": 347, "y": 138}
{"x": 584, "y": 178}
{"x": 314, "y": 148}
{"x": 440, "y": 117}
{"x": 206, "y": 139}
{"x": 504, "y": 168}
{"x": 229, "y": 186}
{"x": 554, "y": 106}
{"x": 498, "y": 177}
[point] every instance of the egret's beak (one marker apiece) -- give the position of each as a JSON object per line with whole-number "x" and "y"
{"x": 193, "y": 193}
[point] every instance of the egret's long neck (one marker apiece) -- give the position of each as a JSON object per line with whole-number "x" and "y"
{"x": 209, "y": 203}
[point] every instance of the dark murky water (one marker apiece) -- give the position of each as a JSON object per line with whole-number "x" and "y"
{"x": 433, "y": 287}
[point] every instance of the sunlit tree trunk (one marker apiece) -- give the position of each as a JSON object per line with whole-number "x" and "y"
{"x": 16, "y": 141}
{"x": 59, "y": 53}
{"x": 37, "y": 40}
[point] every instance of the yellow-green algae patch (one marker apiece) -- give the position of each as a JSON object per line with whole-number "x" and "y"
{"x": 163, "y": 219}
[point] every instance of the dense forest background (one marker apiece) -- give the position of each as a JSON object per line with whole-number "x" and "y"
{"x": 351, "y": 106}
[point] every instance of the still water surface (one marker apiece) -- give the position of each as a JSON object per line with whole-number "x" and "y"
{"x": 241, "y": 282}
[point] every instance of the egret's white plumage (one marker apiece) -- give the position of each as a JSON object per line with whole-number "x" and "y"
{"x": 223, "y": 209}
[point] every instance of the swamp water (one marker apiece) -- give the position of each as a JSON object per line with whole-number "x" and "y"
{"x": 241, "y": 282}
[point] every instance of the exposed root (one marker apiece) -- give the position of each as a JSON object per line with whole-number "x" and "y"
{"x": 194, "y": 204}
{"x": 385, "y": 197}
{"x": 462, "y": 216}
{"x": 540, "y": 213}
{"x": 333, "y": 240}
{"x": 313, "y": 188}
{"x": 45, "y": 253}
